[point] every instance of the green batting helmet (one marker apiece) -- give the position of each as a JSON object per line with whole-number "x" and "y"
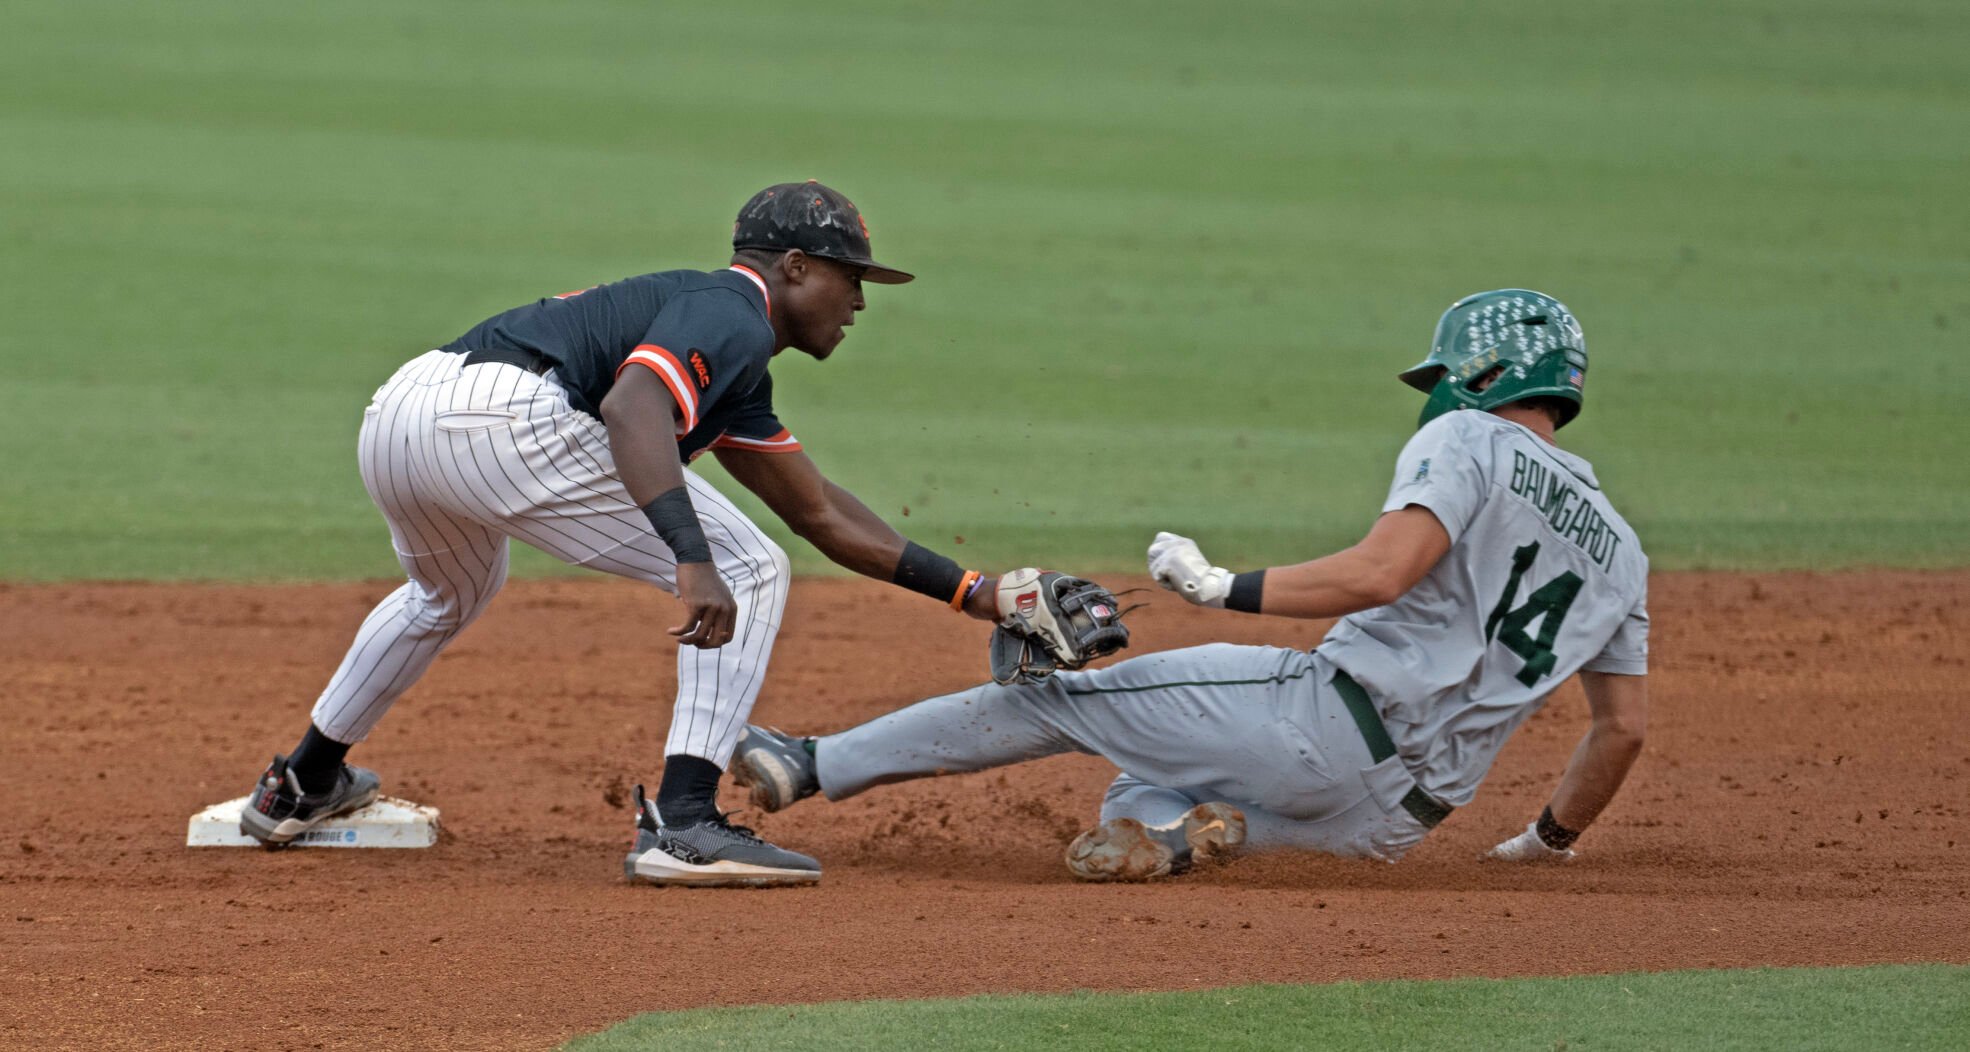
{"x": 1530, "y": 334}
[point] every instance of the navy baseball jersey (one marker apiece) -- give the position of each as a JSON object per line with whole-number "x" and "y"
{"x": 707, "y": 336}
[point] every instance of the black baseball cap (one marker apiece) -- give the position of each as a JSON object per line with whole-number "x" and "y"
{"x": 814, "y": 219}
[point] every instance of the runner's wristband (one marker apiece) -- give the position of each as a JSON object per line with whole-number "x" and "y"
{"x": 928, "y": 573}
{"x": 1247, "y": 592}
{"x": 1553, "y": 834}
{"x": 676, "y": 522}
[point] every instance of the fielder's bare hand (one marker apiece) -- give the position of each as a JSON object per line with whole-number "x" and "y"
{"x": 710, "y": 611}
{"x": 1528, "y": 847}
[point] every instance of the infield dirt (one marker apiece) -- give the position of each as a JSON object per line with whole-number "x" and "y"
{"x": 1800, "y": 802}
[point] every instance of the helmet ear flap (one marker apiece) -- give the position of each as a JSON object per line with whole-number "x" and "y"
{"x": 1447, "y": 396}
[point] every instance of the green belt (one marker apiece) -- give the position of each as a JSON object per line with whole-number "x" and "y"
{"x": 1426, "y": 808}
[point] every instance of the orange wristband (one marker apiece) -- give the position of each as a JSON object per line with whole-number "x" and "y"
{"x": 965, "y": 588}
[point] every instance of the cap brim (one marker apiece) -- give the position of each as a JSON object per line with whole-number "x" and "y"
{"x": 872, "y": 271}
{"x": 881, "y": 275}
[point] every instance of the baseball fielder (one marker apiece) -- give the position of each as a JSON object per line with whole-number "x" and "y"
{"x": 1497, "y": 569}
{"x": 568, "y": 424}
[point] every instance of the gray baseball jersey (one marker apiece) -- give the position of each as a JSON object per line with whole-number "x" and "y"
{"x": 1543, "y": 579}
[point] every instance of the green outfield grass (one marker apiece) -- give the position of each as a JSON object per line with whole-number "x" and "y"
{"x": 1795, "y": 1010}
{"x": 1171, "y": 255}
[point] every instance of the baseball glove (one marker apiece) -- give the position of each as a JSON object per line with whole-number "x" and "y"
{"x": 1050, "y": 621}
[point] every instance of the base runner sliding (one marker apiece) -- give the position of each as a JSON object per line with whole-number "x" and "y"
{"x": 1497, "y": 569}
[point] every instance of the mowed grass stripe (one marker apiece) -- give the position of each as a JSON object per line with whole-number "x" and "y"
{"x": 1171, "y": 257}
{"x": 1896, "y": 1007}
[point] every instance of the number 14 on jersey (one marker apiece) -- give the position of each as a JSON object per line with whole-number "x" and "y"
{"x": 1547, "y": 604}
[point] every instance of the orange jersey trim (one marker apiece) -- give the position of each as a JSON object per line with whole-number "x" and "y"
{"x": 784, "y": 442}
{"x": 671, "y": 372}
{"x": 757, "y": 280}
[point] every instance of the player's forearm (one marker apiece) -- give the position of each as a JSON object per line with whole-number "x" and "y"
{"x": 857, "y": 539}
{"x": 642, "y": 440}
{"x": 842, "y": 528}
{"x": 647, "y": 460}
{"x": 1332, "y": 586}
{"x": 645, "y": 452}
{"x": 1599, "y": 765}
{"x": 1397, "y": 552}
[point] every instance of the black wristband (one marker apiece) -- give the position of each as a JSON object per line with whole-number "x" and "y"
{"x": 928, "y": 573}
{"x": 1247, "y": 592}
{"x": 672, "y": 516}
{"x": 1555, "y": 835}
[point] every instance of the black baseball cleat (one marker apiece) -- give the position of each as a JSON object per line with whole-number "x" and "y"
{"x": 777, "y": 767}
{"x": 277, "y": 811}
{"x": 713, "y": 853}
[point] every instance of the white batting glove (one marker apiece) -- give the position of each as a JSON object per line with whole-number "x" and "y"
{"x": 1527, "y": 847}
{"x": 1177, "y": 565}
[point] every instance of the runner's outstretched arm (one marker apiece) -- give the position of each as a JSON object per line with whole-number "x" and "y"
{"x": 1398, "y": 551}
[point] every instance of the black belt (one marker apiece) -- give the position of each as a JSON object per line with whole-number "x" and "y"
{"x": 1427, "y": 809}
{"x": 519, "y": 356}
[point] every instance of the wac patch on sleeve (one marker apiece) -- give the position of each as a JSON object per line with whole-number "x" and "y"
{"x": 701, "y": 370}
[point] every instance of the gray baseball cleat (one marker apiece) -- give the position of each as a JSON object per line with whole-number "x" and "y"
{"x": 1126, "y": 849}
{"x": 278, "y": 811}
{"x": 712, "y": 854}
{"x": 777, "y": 767}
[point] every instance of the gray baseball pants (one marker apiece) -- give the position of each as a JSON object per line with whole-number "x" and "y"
{"x": 1260, "y": 728}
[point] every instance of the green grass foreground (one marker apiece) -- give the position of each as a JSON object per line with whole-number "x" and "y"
{"x": 1833, "y": 1009}
{"x": 1171, "y": 255}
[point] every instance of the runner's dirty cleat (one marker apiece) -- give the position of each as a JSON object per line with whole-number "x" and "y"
{"x": 778, "y": 768}
{"x": 277, "y": 810}
{"x": 1125, "y": 849}
{"x": 711, "y": 854}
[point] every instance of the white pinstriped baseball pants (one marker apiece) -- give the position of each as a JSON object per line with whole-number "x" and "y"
{"x": 460, "y": 459}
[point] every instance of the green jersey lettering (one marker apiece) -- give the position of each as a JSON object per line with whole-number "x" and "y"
{"x": 1547, "y": 604}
